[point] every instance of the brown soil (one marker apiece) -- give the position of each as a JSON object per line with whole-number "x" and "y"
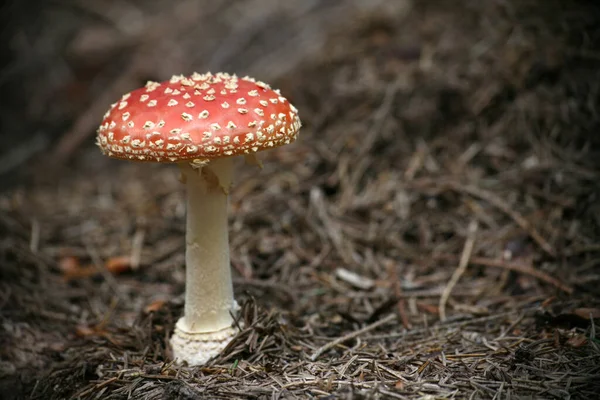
{"x": 434, "y": 233}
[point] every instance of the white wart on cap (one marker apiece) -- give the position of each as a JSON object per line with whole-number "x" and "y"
{"x": 203, "y": 116}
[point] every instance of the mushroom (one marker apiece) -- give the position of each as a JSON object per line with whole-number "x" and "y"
{"x": 201, "y": 122}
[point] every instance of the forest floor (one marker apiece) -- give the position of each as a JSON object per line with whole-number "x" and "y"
{"x": 433, "y": 233}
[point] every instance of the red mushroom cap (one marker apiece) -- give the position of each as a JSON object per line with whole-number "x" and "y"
{"x": 200, "y": 117}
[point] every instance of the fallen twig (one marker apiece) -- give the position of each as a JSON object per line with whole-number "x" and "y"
{"x": 462, "y": 267}
{"x": 521, "y": 268}
{"x": 401, "y": 302}
{"x": 351, "y": 335}
{"x": 506, "y": 208}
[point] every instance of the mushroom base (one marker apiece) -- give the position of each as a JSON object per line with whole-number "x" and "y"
{"x": 199, "y": 348}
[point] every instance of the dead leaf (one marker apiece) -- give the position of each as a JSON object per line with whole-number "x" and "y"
{"x": 68, "y": 264}
{"x": 84, "y": 331}
{"x": 577, "y": 341}
{"x": 586, "y": 312}
{"x": 73, "y": 271}
{"x": 154, "y": 306}
{"x": 428, "y": 308}
{"x": 548, "y": 301}
{"x": 118, "y": 265}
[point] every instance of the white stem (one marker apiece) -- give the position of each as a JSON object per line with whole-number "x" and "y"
{"x": 208, "y": 289}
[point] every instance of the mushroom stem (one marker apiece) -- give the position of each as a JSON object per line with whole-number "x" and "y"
{"x": 206, "y": 326}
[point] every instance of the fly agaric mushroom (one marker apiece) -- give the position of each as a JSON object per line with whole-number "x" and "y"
{"x": 201, "y": 122}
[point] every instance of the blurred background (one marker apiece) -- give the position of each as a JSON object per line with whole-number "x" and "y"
{"x": 64, "y": 62}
